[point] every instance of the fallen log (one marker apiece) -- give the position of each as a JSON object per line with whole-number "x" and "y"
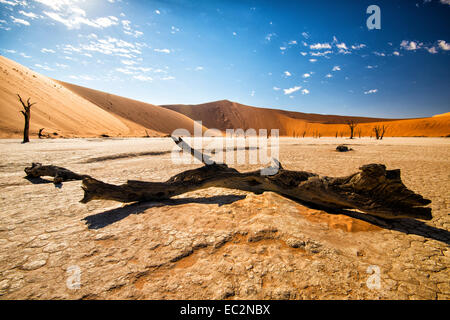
{"x": 373, "y": 190}
{"x": 60, "y": 174}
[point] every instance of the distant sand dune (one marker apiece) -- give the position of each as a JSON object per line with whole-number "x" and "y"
{"x": 225, "y": 114}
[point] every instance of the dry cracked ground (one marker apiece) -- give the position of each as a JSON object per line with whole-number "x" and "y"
{"x": 217, "y": 243}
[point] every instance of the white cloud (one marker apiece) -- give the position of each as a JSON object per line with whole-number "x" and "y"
{"x": 305, "y": 35}
{"x": 319, "y": 46}
{"x": 329, "y": 75}
{"x": 291, "y": 90}
{"x": 336, "y": 68}
{"x": 287, "y": 74}
{"x": 168, "y": 78}
{"x": 28, "y": 14}
{"x": 320, "y": 54}
{"x": 43, "y": 67}
{"x": 306, "y": 75}
{"x": 303, "y": 53}
{"x": 444, "y": 45}
{"x": 157, "y": 12}
{"x": 252, "y": 93}
{"x": 276, "y": 88}
{"x": 270, "y": 36}
{"x": 128, "y": 62}
{"x": 312, "y": 60}
{"x": 371, "y": 91}
{"x": 61, "y": 65}
{"x": 142, "y": 78}
{"x": 162, "y": 50}
{"x": 396, "y": 53}
{"x": 445, "y": 2}
{"x": 45, "y": 50}
{"x": 358, "y": 46}
{"x": 410, "y": 45}
{"x": 283, "y": 48}
{"x": 125, "y": 71}
{"x": 20, "y": 21}
{"x": 432, "y": 50}
{"x": 24, "y": 55}
{"x": 199, "y": 68}
{"x": 14, "y": 2}
{"x": 292, "y": 42}
{"x": 106, "y": 22}
{"x": 305, "y": 91}
{"x": 342, "y": 46}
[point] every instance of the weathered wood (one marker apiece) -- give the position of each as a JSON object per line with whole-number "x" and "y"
{"x": 373, "y": 190}
{"x": 60, "y": 174}
{"x": 27, "y": 116}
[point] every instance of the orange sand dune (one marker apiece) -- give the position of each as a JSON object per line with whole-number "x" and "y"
{"x": 147, "y": 115}
{"x": 225, "y": 114}
{"x": 66, "y": 110}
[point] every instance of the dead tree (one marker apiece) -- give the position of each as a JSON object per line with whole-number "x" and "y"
{"x": 359, "y": 132}
{"x": 27, "y": 114}
{"x": 383, "y": 131}
{"x": 352, "y": 125}
{"x": 379, "y": 131}
{"x": 40, "y": 135}
{"x": 373, "y": 190}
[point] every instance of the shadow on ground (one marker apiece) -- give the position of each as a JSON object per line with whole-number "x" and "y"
{"x": 407, "y": 226}
{"x": 103, "y": 219}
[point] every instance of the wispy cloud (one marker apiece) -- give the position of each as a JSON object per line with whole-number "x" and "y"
{"x": 45, "y": 50}
{"x": 19, "y": 21}
{"x": 320, "y": 46}
{"x": 371, "y": 91}
{"x": 287, "y": 74}
{"x": 336, "y": 68}
{"x": 162, "y": 50}
{"x": 291, "y": 90}
{"x": 143, "y": 78}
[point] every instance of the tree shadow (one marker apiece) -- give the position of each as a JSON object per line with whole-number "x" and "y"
{"x": 39, "y": 180}
{"x": 106, "y": 218}
{"x": 404, "y": 225}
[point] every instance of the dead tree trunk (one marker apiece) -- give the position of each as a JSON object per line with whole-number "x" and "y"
{"x": 352, "y": 125}
{"x": 27, "y": 115}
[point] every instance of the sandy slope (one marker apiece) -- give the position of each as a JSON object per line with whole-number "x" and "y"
{"x": 57, "y": 110}
{"x": 225, "y": 114}
{"x": 137, "y": 112}
{"x": 73, "y": 111}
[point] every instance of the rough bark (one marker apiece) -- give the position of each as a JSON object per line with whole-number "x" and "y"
{"x": 60, "y": 174}
{"x": 27, "y": 115}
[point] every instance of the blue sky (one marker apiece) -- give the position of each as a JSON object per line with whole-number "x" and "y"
{"x": 308, "y": 56}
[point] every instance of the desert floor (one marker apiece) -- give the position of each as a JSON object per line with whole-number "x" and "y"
{"x": 217, "y": 243}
